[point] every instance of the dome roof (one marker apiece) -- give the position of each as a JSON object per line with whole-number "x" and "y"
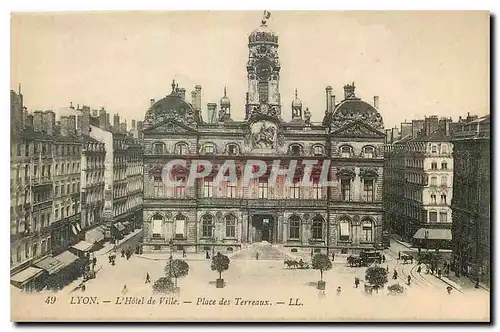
{"x": 172, "y": 106}
{"x": 353, "y": 108}
{"x": 263, "y": 35}
{"x": 296, "y": 102}
{"x": 224, "y": 101}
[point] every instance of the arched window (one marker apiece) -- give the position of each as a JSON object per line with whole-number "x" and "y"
{"x": 367, "y": 235}
{"x": 209, "y": 148}
{"x": 159, "y": 148}
{"x": 294, "y": 228}
{"x": 232, "y": 149}
{"x": 444, "y": 165}
{"x": 318, "y": 150}
{"x": 180, "y": 225}
{"x": 317, "y": 228}
{"x": 368, "y": 152}
{"x": 157, "y": 222}
{"x": 434, "y": 165}
{"x": 230, "y": 226}
{"x": 345, "y": 151}
{"x": 443, "y": 199}
{"x": 181, "y": 149}
{"x": 207, "y": 226}
{"x": 295, "y": 149}
{"x": 443, "y": 216}
{"x": 344, "y": 229}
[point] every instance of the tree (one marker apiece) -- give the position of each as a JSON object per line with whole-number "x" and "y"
{"x": 177, "y": 268}
{"x": 376, "y": 276}
{"x": 322, "y": 263}
{"x": 163, "y": 285}
{"x": 430, "y": 258}
{"x": 220, "y": 263}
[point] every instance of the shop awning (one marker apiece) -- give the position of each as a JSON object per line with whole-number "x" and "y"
{"x": 67, "y": 258}
{"x": 94, "y": 235}
{"x": 73, "y": 229}
{"x": 50, "y": 264}
{"x": 83, "y": 246}
{"x": 21, "y": 278}
{"x": 126, "y": 223}
{"x": 119, "y": 226}
{"x": 433, "y": 234}
{"x": 78, "y": 227}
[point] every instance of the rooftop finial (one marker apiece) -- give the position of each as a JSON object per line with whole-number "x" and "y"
{"x": 19, "y": 88}
{"x": 295, "y": 93}
{"x": 173, "y": 85}
{"x": 265, "y": 17}
{"x": 225, "y": 92}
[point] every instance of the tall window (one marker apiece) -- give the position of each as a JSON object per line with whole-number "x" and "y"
{"x": 206, "y": 226}
{"x": 345, "y": 151}
{"x": 444, "y": 181}
{"x": 181, "y": 149}
{"x": 317, "y": 228}
{"x": 157, "y": 225}
{"x": 443, "y": 198}
{"x": 180, "y": 188}
{"x": 369, "y": 189}
{"x": 344, "y": 228}
{"x": 231, "y": 189}
{"x": 345, "y": 189}
{"x": 263, "y": 189}
{"x": 180, "y": 224}
{"x": 295, "y": 190}
{"x": 444, "y": 148}
{"x": 159, "y": 148}
{"x": 434, "y": 165}
{"x": 232, "y": 149}
{"x": 317, "y": 190}
{"x": 209, "y": 148}
{"x": 432, "y": 216}
{"x": 368, "y": 152}
{"x": 294, "y": 228}
{"x": 208, "y": 187}
{"x": 433, "y": 148}
{"x": 157, "y": 186}
{"x": 367, "y": 235}
{"x": 318, "y": 150}
{"x": 433, "y": 181}
{"x": 444, "y": 165}
{"x": 263, "y": 91}
{"x": 230, "y": 226}
{"x": 443, "y": 216}
{"x": 433, "y": 199}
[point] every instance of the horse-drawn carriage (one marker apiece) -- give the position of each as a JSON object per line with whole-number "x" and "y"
{"x": 365, "y": 258}
{"x": 406, "y": 259}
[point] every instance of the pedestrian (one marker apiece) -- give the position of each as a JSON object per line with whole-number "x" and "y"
{"x": 94, "y": 261}
{"x": 339, "y": 289}
{"x": 395, "y": 274}
{"x": 83, "y": 287}
{"x": 312, "y": 253}
{"x": 333, "y": 256}
{"x": 387, "y": 268}
{"x": 356, "y": 282}
{"x": 123, "y": 252}
{"x": 449, "y": 289}
{"x": 257, "y": 255}
{"x": 207, "y": 255}
{"x": 148, "y": 279}
{"x": 439, "y": 273}
{"x": 399, "y": 254}
{"x": 124, "y": 290}
{"x": 383, "y": 258}
{"x": 409, "y": 280}
{"x": 419, "y": 269}
{"x": 183, "y": 253}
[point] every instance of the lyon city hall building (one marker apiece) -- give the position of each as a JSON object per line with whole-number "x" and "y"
{"x": 344, "y": 217}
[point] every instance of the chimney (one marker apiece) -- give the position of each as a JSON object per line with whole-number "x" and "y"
{"x": 198, "y": 97}
{"x": 193, "y": 99}
{"x": 152, "y": 102}
{"x": 375, "y": 101}
{"x": 85, "y": 120}
{"x": 328, "y": 99}
{"x": 37, "y": 121}
{"x": 212, "y": 112}
{"x": 102, "y": 118}
{"x": 64, "y": 125}
{"x": 123, "y": 128}
{"x": 29, "y": 121}
{"x": 49, "y": 122}
{"x": 182, "y": 93}
{"x": 133, "y": 124}
{"x": 72, "y": 124}
{"x": 333, "y": 103}
{"x": 116, "y": 122}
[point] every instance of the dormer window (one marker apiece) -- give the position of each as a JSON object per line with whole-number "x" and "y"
{"x": 368, "y": 152}
{"x": 209, "y": 148}
{"x": 318, "y": 150}
{"x": 345, "y": 151}
{"x": 295, "y": 150}
{"x": 232, "y": 149}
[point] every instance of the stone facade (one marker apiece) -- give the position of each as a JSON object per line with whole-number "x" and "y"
{"x": 345, "y": 215}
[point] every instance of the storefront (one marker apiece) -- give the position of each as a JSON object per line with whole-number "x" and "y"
{"x": 28, "y": 279}
{"x": 95, "y": 236}
{"x": 82, "y": 249}
{"x": 61, "y": 269}
{"x": 432, "y": 238}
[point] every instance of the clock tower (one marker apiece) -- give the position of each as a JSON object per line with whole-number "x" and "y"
{"x": 263, "y": 68}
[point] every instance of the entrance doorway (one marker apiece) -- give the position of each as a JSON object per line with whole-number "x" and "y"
{"x": 263, "y": 228}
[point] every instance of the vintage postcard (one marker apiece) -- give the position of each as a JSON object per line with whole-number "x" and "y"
{"x": 313, "y": 166}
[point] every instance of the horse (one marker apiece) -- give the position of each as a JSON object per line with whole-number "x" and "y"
{"x": 407, "y": 258}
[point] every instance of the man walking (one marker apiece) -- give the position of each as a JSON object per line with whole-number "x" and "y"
{"x": 148, "y": 279}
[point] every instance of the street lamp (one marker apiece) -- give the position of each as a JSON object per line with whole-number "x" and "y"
{"x": 213, "y": 235}
{"x": 170, "y": 258}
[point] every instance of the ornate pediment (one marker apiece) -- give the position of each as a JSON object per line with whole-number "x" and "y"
{"x": 346, "y": 173}
{"x": 169, "y": 127}
{"x": 358, "y": 129}
{"x": 368, "y": 172}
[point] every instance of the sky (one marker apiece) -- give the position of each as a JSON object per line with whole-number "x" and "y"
{"x": 418, "y": 63}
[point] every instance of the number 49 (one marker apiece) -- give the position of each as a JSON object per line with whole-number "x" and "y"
{"x": 50, "y": 300}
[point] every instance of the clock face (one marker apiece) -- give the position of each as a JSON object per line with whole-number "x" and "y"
{"x": 264, "y": 70}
